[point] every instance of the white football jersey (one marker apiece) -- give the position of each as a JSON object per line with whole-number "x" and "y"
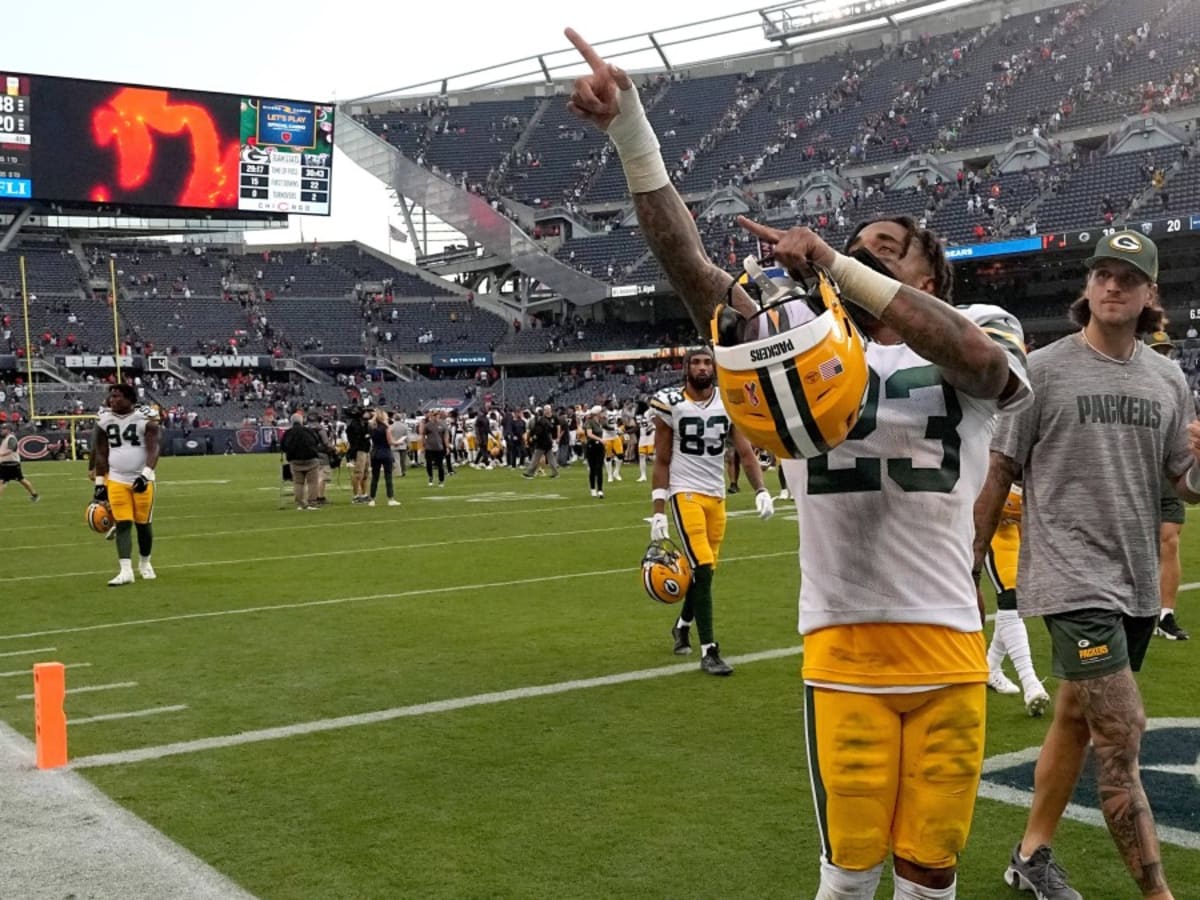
{"x": 646, "y": 430}
{"x": 886, "y": 518}
{"x": 698, "y": 442}
{"x": 611, "y": 424}
{"x": 126, "y": 441}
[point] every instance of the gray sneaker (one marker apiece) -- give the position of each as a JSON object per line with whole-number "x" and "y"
{"x": 712, "y": 664}
{"x": 1041, "y": 876}
{"x": 681, "y": 634}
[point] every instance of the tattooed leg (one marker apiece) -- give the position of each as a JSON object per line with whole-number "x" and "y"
{"x": 1113, "y": 707}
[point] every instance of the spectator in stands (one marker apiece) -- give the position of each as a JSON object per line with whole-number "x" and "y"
{"x": 301, "y": 449}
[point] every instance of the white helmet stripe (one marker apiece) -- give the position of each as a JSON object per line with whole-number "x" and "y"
{"x": 789, "y": 409}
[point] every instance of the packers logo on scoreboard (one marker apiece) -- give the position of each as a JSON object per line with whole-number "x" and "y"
{"x": 1170, "y": 773}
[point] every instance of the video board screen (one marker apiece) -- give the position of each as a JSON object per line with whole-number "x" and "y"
{"x": 69, "y": 140}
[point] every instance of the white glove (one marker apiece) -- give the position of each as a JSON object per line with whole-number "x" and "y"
{"x": 659, "y": 530}
{"x": 764, "y": 504}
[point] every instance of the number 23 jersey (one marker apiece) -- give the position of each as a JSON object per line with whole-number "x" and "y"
{"x": 887, "y": 517}
{"x": 126, "y": 441}
{"x": 698, "y": 441}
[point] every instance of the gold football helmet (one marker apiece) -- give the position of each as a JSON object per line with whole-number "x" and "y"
{"x": 793, "y": 375}
{"x": 666, "y": 572}
{"x": 99, "y": 517}
{"x": 1014, "y": 505}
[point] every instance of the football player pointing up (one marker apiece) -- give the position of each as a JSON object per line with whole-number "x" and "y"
{"x": 126, "y": 454}
{"x": 895, "y": 670}
{"x": 689, "y": 475}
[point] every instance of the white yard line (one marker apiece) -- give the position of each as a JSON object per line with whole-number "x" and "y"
{"x": 335, "y": 601}
{"x": 90, "y": 688}
{"x": 29, "y": 671}
{"x": 29, "y": 652}
{"x": 283, "y": 732}
{"x": 62, "y": 837}
{"x": 406, "y": 521}
{"x": 132, "y": 714}
{"x": 353, "y": 551}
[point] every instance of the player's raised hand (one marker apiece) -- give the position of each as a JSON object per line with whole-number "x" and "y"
{"x": 796, "y": 249}
{"x": 595, "y": 97}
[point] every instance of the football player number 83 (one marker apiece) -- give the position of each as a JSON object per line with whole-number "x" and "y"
{"x": 116, "y": 436}
{"x": 867, "y": 473}
{"x": 692, "y": 432}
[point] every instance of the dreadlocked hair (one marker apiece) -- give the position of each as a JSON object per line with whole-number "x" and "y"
{"x": 929, "y": 246}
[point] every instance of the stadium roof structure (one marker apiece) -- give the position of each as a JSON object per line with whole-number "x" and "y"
{"x": 780, "y": 26}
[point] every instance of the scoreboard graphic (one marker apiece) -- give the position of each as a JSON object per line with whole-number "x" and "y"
{"x": 65, "y": 140}
{"x": 15, "y": 138}
{"x": 286, "y": 156}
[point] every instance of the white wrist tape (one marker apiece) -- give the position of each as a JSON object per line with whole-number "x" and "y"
{"x": 659, "y": 494}
{"x": 148, "y": 473}
{"x": 637, "y": 145}
{"x": 99, "y": 481}
{"x": 862, "y": 285}
{"x": 1192, "y": 479}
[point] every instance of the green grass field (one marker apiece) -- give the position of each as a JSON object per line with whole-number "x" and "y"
{"x": 581, "y": 759}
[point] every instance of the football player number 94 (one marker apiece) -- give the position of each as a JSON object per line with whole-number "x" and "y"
{"x": 867, "y": 473}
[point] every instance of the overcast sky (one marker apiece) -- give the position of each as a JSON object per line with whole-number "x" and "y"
{"x": 336, "y": 50}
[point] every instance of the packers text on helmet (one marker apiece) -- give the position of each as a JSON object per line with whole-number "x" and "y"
{"x": 666, "y": 573}
{"x": 793, "y": 376}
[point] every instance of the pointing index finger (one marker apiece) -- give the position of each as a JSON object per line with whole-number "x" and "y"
{"x": 766, "y": 232}
{"x": 590, "y": 56}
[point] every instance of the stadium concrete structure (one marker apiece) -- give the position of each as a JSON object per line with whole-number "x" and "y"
{"x": 1019, "y": 131}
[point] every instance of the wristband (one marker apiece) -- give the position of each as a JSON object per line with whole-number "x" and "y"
{"x": 862, "y": 285}
{"x": 148, "y": 473}
{"x": 99, "y": 481}
{"x": 1192, "y": 479}
{"x": 659, "y": 494}
{"x": 637, "y": 145}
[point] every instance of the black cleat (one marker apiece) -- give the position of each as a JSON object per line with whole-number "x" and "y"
{"x": 712, "y": 663}
{"x": 1169, "y": 628}
{"x": 683, "y": 644}
{"x": 733, "y": 488}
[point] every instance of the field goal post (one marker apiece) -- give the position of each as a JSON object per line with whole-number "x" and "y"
{"x": 31, "y": 387}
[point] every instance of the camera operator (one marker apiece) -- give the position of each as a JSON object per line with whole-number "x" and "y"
{"x": 301, "y": 448}
{"x": 359, "y": 438}
{"x": 327, "y": 455}
{"x": 541, "y": 443}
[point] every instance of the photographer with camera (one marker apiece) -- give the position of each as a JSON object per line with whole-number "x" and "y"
{"x": 359, "y": 454}
{"x": 327, "y": 456}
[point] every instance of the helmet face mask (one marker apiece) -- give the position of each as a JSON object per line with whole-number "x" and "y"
{"x": 666, "y": 572}
{"x": 793, "y": 376}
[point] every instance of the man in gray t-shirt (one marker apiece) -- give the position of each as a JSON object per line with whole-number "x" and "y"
{"x": 1110, "y": 421}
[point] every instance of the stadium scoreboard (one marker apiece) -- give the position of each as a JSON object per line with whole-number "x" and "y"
{"x": 65, "y": 140}
{"x": 1078, "y": 239}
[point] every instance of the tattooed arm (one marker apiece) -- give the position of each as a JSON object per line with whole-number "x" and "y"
{"x": 968, "y": 358}
{"x": 1002, "y": 472}
{"x": 608, "y": 100}
{"x": 675, "y": 243}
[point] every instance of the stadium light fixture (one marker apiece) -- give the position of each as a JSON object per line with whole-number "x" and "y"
{"x": 931, "y": 9}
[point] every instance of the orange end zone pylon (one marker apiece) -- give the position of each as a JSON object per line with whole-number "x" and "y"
{"x": 49, "y": 717}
